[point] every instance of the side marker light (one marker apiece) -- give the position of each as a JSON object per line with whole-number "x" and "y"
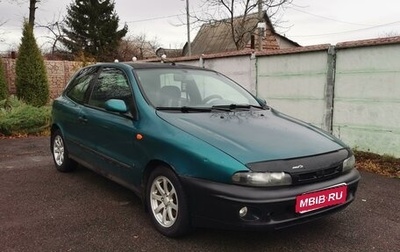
{"x": 139, "y": 136}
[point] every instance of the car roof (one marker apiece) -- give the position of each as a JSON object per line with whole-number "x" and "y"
{"x": 152, "y": 65}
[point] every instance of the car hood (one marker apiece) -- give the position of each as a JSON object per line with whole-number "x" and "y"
{"x": 255, "y": 136}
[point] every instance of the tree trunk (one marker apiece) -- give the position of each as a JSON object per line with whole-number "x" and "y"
{"x": 32, "y": 9}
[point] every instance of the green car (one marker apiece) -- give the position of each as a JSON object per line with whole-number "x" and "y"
{"x": 199, "y": 149}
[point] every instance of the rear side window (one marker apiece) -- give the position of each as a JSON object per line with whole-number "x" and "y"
{"x": 111, "y": 84}
{"x": 80, "y": 84}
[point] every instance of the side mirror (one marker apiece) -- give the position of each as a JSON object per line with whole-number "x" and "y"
{"x": 116, "y": 105}
{"x": 262, "y": 102}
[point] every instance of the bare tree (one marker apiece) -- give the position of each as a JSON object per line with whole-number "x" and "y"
{"x": 137, "y": 46}
{"x": 32, "y": 10}
{"x": 54, "y": 28}
{"x": 237, "y": 14}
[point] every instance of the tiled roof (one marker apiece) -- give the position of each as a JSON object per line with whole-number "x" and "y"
{"x": 216, "y": 37}
{"x": 304, "y": 49}
{"x": 369, "y": 42}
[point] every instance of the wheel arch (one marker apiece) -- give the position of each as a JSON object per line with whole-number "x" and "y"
{"x": 153, "y": 164}
{"x": 54, "y": 127}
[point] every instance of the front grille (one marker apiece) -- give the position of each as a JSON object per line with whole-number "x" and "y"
{"x": 315, "y": 176}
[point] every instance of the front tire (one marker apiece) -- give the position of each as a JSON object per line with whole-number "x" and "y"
{"x": 60, "y": 153}
{"x": 167, "y": 204}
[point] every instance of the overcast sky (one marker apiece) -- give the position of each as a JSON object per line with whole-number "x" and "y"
{"x": 309, "y": 22}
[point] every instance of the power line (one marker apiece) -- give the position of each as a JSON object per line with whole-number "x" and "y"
{"x": 155, "y": 18}
{"x": 327, "y": 18}
{"x": 193, "y": 11}
{"x": 350, "y": 31}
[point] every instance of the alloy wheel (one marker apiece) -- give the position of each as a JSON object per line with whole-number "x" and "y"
{"x": 164, "y": 201}
{"x": 58, "y": 150}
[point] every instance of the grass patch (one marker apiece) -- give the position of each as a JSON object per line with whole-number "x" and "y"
{"x": 382, "y": 164}
{"x": 20, "y": 119}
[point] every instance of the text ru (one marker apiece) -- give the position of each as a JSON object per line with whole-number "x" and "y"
{"x": 321, "y": 199}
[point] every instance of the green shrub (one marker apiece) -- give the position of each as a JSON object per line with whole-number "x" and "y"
{"x": 3, "y": 82}
{"x": 31, "y": 77}
{"x": 18, "y": 118}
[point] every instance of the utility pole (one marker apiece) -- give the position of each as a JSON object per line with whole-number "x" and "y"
{"x": 188, "y": 28}
{"x": 260, "y": 29}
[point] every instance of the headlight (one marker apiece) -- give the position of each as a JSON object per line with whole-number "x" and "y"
{"x": 262, "y": 178}
{"x": 349, "y": 163}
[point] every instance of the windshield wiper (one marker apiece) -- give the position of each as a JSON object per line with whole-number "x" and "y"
{"x": 233, "y": 106}
{"x": 226, "y": 108}
{"x": 184, "y": 109}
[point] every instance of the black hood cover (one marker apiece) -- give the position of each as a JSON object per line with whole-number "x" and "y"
{"x": 306, "y": 169}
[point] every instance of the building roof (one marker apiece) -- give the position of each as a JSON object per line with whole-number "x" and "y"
{"x": 170, "y": 53}
{"x": 217, "y": 37}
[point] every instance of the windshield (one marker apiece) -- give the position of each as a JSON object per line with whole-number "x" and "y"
{"x": 177, "y": 88}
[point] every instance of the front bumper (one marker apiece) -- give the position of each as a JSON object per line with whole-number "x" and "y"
{"x": 217, "y": 205}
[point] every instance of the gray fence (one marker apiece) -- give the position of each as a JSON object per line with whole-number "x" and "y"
{"x": 351, "y": 89}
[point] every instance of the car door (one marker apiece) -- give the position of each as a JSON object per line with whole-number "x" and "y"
{"x": 112, "y": 134}
{"x": 74, "y": 120}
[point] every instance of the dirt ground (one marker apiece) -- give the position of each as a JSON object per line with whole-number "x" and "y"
{"x": 385, "y": 165}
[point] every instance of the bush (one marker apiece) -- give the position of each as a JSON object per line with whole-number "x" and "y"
{"x": 18, "y": 118}
{"x": 31, "y": 77}
{"x": 3, "y": 82}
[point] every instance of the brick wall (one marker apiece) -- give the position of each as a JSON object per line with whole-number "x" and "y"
{"x": 58, "y": 74}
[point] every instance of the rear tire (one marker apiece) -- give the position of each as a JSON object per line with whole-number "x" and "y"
{"x": 60, "y": 153}
{"x": 167, "y": 203}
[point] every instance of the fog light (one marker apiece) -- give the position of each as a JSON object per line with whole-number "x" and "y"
{"x": 243, "y": 212}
